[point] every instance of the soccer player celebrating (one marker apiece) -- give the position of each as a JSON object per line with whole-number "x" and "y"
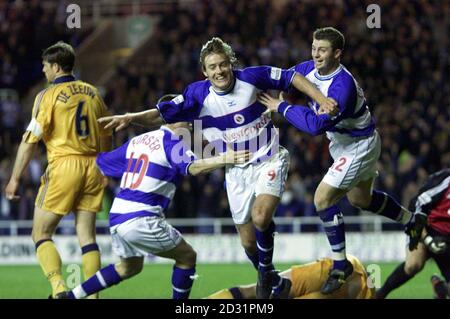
{"x": 65, "y": 118}
{"x": 150, "y": 167}
{"x": 355, "y": 147}
{"x": 230, "y": 115}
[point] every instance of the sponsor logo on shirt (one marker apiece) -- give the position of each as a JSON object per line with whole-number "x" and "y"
{"x": 246, "y": 131}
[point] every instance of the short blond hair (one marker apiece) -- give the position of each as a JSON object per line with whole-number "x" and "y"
{"x": 218, "y": 46}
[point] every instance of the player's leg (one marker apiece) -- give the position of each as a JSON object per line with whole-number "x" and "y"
{"x": 59, "y": 188}
{"x": 353, "y": 162}
{"x": 270, "y": 180}
{"x": 106, "y": 277}
{"x": 262, "y": 212}
{"x": 240, "y": 192}
{"x": 248, "y": 241}
{"x": 90, "y": 253}
{"x": 325, "y": 199}
{"x": 268, "y": 281}
{"x": 442, "y": 287}
{"x": 377, "y": 202}
{"x": 89, "y": 202}
{"x": 44, "y": 225}
{"x": 414, "y": 263}
{"x": 184, "y": 269}
{"x": 383, "y": 204}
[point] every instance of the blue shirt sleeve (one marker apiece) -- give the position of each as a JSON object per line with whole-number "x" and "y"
{"x": 343, "y": 90}
{"x": 187, "y": 106}
{"x": 267, "y": 77}
{"x": 178, "y": 153}
{"x": 114, "y": 163}
{"x": 305, "y": 119}
{"x": 304, "y": 68}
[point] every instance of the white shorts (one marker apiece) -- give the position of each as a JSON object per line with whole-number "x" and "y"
{"x": 354, "y": 161}
{"x": 144, "y": 235}
{"x": 245, "y": 183}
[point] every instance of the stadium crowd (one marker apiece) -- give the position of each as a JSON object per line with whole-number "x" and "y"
{"x": 403, "y": 68}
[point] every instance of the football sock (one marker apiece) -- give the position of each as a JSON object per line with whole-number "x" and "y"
{"x": 395, "y": 280}
{"x": 50, "y": 262}
{"x": 104, "y": 278}
{"x": 182, "y": 280}
{"x": 385, "y": 205}
{"x": 264, "y": 242}
{"x": 90, "y": 260}
{"x": 253, "y": 258}
{"x": 333, "y": 223}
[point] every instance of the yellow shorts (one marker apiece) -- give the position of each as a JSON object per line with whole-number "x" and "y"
{"x": 71, "y": 183}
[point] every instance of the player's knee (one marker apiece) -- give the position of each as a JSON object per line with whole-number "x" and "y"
{"x": 414, "y": 267}
{"x": 261, "y": 219}
{"x": 188, "y": 259}
{"x": 321, "y": 202}
{"x": 129, "y": 270}
{"x": 86, "y": 240}
{"x": 38, "y": 234}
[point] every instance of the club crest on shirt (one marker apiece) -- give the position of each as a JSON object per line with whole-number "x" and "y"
{"x": 239, "y": 118}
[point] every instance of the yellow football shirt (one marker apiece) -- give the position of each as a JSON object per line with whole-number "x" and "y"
{"x": 65, "y": 118}
{"x": 308, "y": 279}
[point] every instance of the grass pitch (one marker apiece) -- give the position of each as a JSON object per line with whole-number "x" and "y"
{"x": 25, "y": 282}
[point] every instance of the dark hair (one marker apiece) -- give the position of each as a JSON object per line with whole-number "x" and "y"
{"x": 216, "y": 45}
{"x": 334, "y": 36}
{"x": 62, "y": 54}
{"x": 167, "y": 97}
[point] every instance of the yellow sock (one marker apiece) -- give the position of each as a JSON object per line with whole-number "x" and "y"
{"x": 50, "y": 261}
{"x": 91, "y": 264}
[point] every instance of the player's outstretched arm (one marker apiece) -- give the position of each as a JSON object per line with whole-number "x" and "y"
{"x": 302, "y": 118}
{"x": 328, "y": 105}
{"x": 24, "y": 155}
{"x": 149, "y": 118}
{"x": 203, "y": 166}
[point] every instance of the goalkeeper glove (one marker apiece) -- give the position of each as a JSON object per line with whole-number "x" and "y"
{"x": 435, "y": 244}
